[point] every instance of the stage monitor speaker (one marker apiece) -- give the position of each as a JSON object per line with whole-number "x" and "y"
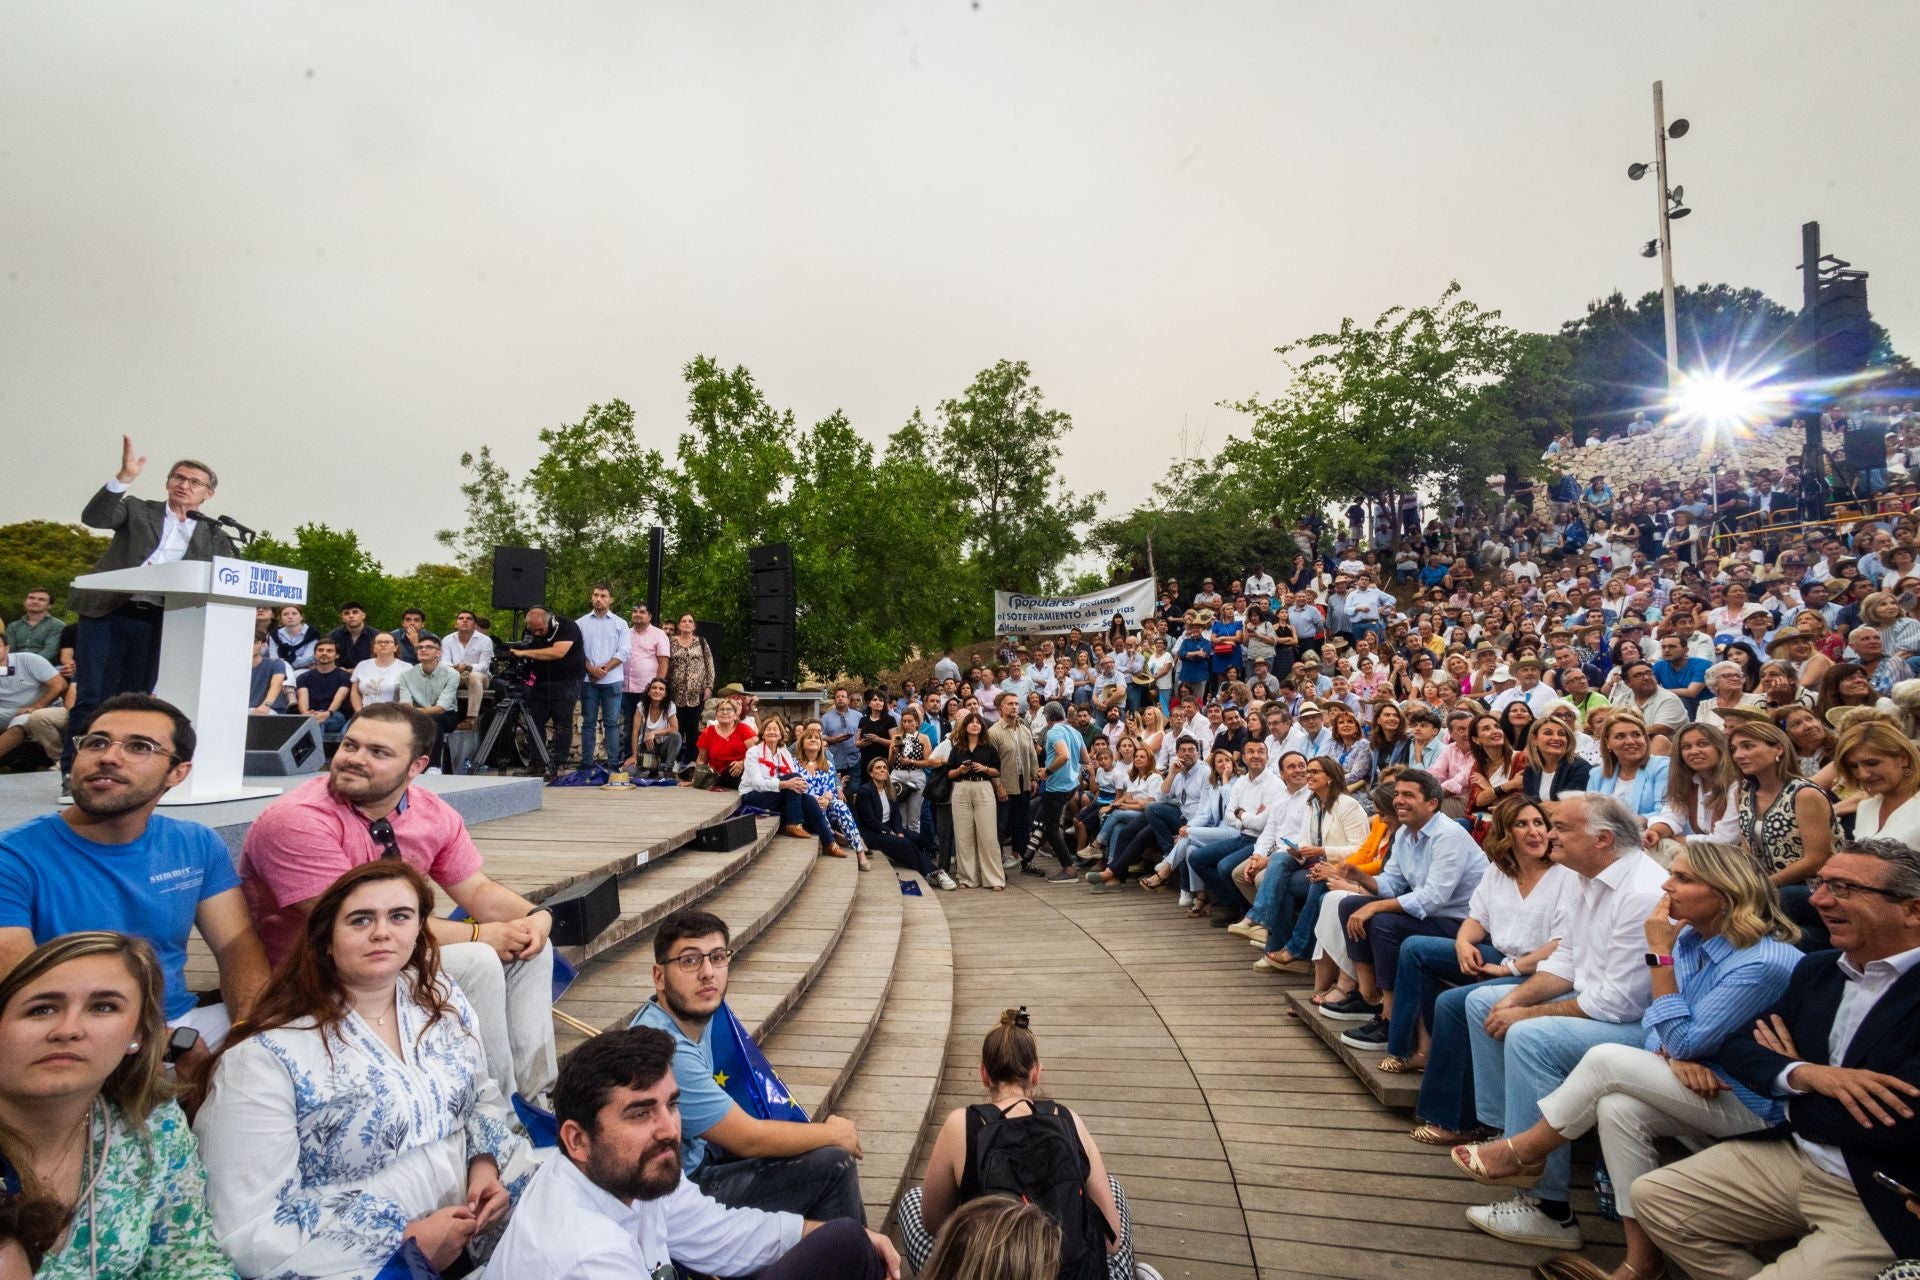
{"x": 283, "y": 746}
{"x": 1866, "y": 445}
{"x": 775, "y": 555}
{"x": 519, "y": 577}
{"x": 726, "y": 835}
{"x": 581, "y": 912}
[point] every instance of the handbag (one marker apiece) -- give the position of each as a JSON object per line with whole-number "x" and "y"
{"x": 939, "y": 787}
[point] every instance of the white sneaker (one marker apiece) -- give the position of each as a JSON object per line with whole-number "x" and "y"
{"x": 944, "y": 880}
{"x": 1186, "y": 898}
{"x": 1521, "y": 1221}
{"x": 1141, "y": 1271}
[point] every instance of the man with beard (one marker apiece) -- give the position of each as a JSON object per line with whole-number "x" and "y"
{"x": 109, "y": 862}
{"x": 363, "y": 808}
{"x": 737, "y": 1159}
{"x": 615, "y": 1207}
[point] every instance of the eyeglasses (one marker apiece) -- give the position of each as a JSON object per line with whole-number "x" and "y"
{"x": 689, "y": 961}
{"x": 98, "y": 744}
{"x": 382, "y": 830}
{"x": 1844, "y": 889}
{"x": 189, "y": 481}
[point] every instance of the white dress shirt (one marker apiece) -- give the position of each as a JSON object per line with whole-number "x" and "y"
{"x": 1603, "y": 939}
{"x": 1517, "y": 923}
{"x": 568, "y": 1228}
{"x": 1863, "y": 990}
{"x": 476, "y": 653}
{"x": 1286, "y": 820}
{"x": 175, "y": 532}
{"x": 1255, "y": 798}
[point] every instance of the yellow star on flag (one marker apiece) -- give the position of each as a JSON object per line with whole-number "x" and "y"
{"x": 720, "y": 1078}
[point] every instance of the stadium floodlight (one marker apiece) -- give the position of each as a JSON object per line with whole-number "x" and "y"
{"x": 1678, "y": 129}
{"x": 1652, "y": 249}
{"x": 1637, "y": 171}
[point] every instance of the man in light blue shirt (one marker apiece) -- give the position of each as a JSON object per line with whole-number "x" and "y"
{"x": 605, "y": 645}
{"x": 841, "y": 725}
{"x": 1309, "y": 626}
{"x": 1060, "y": 756}
{"x": 1424, "y": 892}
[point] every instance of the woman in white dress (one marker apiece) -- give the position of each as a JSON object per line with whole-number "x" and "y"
{"x": 1875, "y": 757}
{"x": 1703, "y": 792}
{"x": 378, "y": 678}
{"x": 353, "y": 1112}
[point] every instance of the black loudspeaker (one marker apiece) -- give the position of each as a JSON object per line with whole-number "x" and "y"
{"x": 519, "y": 577}
{"x": 775, "y": 555}
{"x": 283, "y": 746}
{"x": 772, "y": 663}
{"x": 583, "y": 911}
{"x": 1866, "y": 445}
{"x": 716, "y": 637}
{"x": 726, "y": 835}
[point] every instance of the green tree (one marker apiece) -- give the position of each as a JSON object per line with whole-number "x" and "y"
{"x": 44, "y": 555}
{"x": 1373, "y": 409}
{"x": 495, "y": 516}
{"x": 338, "y": 569}
{"x": 1004, "y": 445}
{"x": 1199, "y": 522}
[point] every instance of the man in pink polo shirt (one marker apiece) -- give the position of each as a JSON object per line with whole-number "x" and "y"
{"x": 648, "y": 650}
{"x": 363, "y": 809}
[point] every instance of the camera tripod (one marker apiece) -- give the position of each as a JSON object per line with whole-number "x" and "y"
{"x": 511, "y": 717}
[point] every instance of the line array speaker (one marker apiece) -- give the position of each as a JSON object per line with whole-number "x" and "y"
{"x": 519, "y": 577}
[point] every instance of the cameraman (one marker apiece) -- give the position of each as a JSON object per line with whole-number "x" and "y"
{"x": 558, "y": 652}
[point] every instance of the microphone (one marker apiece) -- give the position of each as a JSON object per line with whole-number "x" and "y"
{"x": 246, "y": 534}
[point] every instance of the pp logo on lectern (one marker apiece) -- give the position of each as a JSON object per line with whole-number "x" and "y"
{"x": 229, "y": 577}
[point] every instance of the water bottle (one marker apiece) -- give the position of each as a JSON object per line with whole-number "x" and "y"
{"x": 466, "y": 764}
{"x": 1603, "y": 1191}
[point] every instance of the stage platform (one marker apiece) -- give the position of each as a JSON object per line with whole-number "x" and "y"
{"x": 478, "y": 798}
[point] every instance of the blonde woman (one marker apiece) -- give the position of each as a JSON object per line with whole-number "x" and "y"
{"x": 824, "y": 785}
{"x": 1670, "y": 1086}
{"x": 1629, "y": 770}
{"x": 1702, "y": 791}
{"x": 995, "y": 1238}
{"x": 1876, "y": 758}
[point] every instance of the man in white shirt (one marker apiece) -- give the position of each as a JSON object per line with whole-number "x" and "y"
{"x": 1282, "y": 794}
{"x": 1283, "y": 734}
{"x": 1313, "y": 727}
{"x": 1661, "y": 708}
{"x": 469, "y": 651}
{"x": 611, "y": 1204}
{"x": 1531, "y": 690}
{"x": 1839, "y": 1045}
{"x": 1368, "y": 607}
{"x": 1592, "y": 990}
{"x": 604, "y": 642}
{"x": 1260, "y": 587}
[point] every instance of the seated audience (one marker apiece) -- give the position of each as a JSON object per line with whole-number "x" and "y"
{"x": 1366, "y": 859}
{"x": 431, "y": 688}
{"x": 85, "y": 1122}
{"x": 352, "y": 1111}
{"x": 1507, "y": 933}
{"x": 721, "y": 749}
{"x": 1841, "y": 1051}
{"x": 1424, "y": 891}
{"x": 1629, "y": 769}
{"x": 1265, "y": 816}
{"x": 353, "y": 639}
{"x": 469, "y": 651}
{"x": 1016, "y": 1125}
{"x": 1212, "y": 825}
{"x": 770, "y": 780}
{"x": 1332, "y": 826}
{"x": 365, "y": 808}
{"x": 1553, "y": 766}
{"x": 824, "y": 786}
{"x": 738, "y": 1159}
{"x": 1701, "y": 802}
{"x": 883, "y": 827}
{"x": 377, "y": 679}
{"x": 612, "y": 1204}
{"x": 654, "y": 727}
{"x": 293, "y": 640}
{"x": 36, "y": 630}
{"x": 108, "y": 861}
{"x": 1875, "y": 758}
{"x": 1592, "y": 990}
{"x": 266, "y": 681}
{"x": 324, "y": 691}
{"x": 31, "y": 706}
{"x": 1787, "y": 824}
{"x": 1718, "y": 956}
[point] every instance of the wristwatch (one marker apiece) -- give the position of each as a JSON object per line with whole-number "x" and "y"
{"x": 1657, "y": 961}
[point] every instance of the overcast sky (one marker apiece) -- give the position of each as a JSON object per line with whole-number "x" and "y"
{"x": 328, "y": 247}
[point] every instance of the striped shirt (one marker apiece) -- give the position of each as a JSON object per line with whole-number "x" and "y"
{"x": 1722, "y": 990}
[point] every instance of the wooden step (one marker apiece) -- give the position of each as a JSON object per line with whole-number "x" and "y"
{"x": 784, "y": 961}
{"x": 618, "y": 980}
{"x": 1394, "y": 1091}
{"x": 897, "y": 1079}
{"x": 816, "y": 1047}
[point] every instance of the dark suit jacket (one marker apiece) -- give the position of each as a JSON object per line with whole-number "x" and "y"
{"x": 1572, "y": 775}
{"x": 866, "y": 814}
{"x": 137, "y": 524}
{"x": 1887, "y": 1041}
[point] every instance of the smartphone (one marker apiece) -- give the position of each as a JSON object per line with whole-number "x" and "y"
{"x": 1894, "y": 1186}
{"x": 1314, "y": 861}
{"x": 181, "y": 1043}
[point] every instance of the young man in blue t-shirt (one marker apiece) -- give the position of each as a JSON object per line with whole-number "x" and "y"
{"x": 109, "y": 862}
{"x": 1060, "y": 756}
{"x": 1684, "y": 675}
{"x": 742, "y": 1161}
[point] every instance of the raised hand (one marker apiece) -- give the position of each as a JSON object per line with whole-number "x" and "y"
{"x": 130, "y": 462}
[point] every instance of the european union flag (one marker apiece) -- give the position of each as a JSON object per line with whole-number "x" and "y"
{"x": 744, "y": 1072}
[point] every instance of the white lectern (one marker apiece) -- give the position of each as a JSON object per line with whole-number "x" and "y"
{"x": 206, "y": 651}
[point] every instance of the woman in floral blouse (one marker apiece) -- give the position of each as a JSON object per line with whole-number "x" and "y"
{"x": 353, "y": 1112}
{"x": 84, "y": 1119}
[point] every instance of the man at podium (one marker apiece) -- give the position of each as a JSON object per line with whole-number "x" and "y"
{"x": 119, "y": 634}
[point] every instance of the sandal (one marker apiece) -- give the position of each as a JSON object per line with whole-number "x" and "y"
{"x": 1394, "y": 1065}
{"x": 1434, "y": 1135}
{"x": 1466, "y": 1158}
{"x": 1151, "y": 882}
{"x": 1566, "y": 1266}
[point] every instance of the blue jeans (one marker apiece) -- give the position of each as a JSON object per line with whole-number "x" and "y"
{"x": 1446, "y": 1090}
{"x": 1424, "y": 964}
{"x": 1214, "y": 865}
{"x": 1283, "y": 891}
{"x": 1115, "y": 828}
{"x": 600, "y": 706}
{"x": 1379, "y": 946}
{"x": 1511, "y": 1076}
{"x": 1300, "y": 942}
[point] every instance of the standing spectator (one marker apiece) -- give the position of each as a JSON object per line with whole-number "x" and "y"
{"x": 323, "y": 692}
{"x": 690, "y": 675}
{"x": 30, "y": 703}
{"x": 352, "y": 640}
{"x": 876, "y": 731}
{"x": 432, "y": 689}
{"x": 648, "y": 654}
{"x": 118, "y": 635}
{"x": 37, "y": 631}
{"x": 603, "y": 646}
{"x": 972, "y": 766}
{"x": 1062, "y": 750}
{"x": 293, "y": 640}
{"x": 1012, "y": 737}
{"x": 841, "y": 723}
{"x": 555, "y": 647}
{"x": 469, "y": 651}
{"x": 377, "y": 679}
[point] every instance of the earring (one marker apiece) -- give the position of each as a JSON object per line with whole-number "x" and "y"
{"x": 134, "y": 1047}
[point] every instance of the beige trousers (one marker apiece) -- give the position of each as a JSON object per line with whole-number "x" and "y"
{"x": 1705, "y": 1210}
{"x": 976, "y": 835}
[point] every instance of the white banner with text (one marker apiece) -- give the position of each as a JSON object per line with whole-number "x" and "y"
{"x": 1018, "y": 614}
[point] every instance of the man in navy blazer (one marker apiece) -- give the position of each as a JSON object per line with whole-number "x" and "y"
{"x": 118, "y": 649}
{"x": 1843, "y": 1044}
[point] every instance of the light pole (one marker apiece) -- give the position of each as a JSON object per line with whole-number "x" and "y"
{"x": 1669, "y": 207}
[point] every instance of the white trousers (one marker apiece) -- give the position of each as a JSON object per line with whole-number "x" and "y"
{"x": 514, "y": 1006}
{"x": 1329, "y": 939}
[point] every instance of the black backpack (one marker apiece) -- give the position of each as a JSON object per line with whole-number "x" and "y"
{"x": 1038, "y": 1158}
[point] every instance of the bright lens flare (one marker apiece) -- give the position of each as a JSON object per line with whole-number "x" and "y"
{"x": 1720, "y": 404}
